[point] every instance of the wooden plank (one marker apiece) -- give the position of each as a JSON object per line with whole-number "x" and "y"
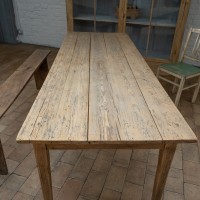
{"x": 117, "y": 110}
{"x": 61, "y": 108}
{"x": 168, "y": 119}
{"x": 13, "y": 86}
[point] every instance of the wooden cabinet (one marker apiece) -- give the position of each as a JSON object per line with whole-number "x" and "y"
{"x": 155, "y": 26}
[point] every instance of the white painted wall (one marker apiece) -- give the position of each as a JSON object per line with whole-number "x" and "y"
{"x": 43, "y": 22}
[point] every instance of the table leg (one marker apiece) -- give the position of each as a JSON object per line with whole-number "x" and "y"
{"x": 166, "y": 155}
{"x": 43, "y": 163}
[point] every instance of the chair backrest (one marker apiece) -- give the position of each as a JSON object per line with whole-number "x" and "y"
{"x": 191, "y": 49}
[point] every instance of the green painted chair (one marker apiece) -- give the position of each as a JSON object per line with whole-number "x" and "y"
{"x": 187, "y": 68}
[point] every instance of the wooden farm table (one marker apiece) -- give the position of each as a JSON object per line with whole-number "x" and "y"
{"x": 100, "y": 93}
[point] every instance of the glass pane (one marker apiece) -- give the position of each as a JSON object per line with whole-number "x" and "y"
{"x": 106, "y": 27}
{"x": 138, "y": 34}
{"x": 138, "y": 12}
{"x": 83, "y": 26}
{"x": 160, "y": 42}
{"x": 83, "y": 9}
{"x": 106, "y": 10}
{"x": 165, "y": 12}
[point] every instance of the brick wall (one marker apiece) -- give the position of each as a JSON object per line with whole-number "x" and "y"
{"x": 43, "y": 22}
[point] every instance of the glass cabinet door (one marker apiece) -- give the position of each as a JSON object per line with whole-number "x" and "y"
{"x": 83, "y": 11}
{"x": 106, "y": 10}
{"x": 160, "y": 42}
{"x": 165, "y": 13}
{"x": 139, "y": 35}
{"x": 138, "y": 12}
{"x": 153, "y": 27}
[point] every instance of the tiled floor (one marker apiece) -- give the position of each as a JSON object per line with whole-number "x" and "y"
{"x": 91, "y": 174}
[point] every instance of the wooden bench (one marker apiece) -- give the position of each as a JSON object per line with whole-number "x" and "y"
{"x": 36, "y": 64}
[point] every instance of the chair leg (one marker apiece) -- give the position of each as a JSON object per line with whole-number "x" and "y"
{"x": 180, "y": 89}
{"x": 174, "y": 86}
{"x": 196, "y": 91}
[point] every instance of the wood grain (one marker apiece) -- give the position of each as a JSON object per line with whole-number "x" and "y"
{"x": 60, "y": 111}
{"x": 168, "y": 119}
{"x": 13, "y": 86}
{"x": 117, "y": 109}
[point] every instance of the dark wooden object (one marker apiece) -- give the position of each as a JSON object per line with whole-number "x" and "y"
{"x": 36, "y": 64}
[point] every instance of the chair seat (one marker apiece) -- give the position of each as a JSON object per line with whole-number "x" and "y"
{"x": 181, "y": 69}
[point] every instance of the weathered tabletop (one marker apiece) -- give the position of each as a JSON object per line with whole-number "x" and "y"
{"x": 101, "y": 93}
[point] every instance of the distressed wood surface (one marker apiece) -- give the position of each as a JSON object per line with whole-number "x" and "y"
{"x": 100, "y": 90}
{"x": 13, "y": 86}
{"x": 169, "y": 121}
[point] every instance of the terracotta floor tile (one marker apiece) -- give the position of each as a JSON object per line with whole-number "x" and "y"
{"x": 177, "y": 161}
{"x": 172, "y": 196}
{"x": 91, "y": 153}
{"x": 107, "y": 154}
{"x": 55, "y": 156}
{"x": 122, "y": 157}
{"x": 70, "y": 189}
{"x": 140, "y": 155}
{"x": 101, "y": 165}
{"x": 192, "y": 192}
{"x": 93, "y": 185}
{"x": 20, "y": 153}
{"x": 14, "y": 182}
{"x": 6, "y": 193}
{"x": 39, "y": 195}
{"x": 32, "y": 184}
{"x": 131, "y": 191}
{"x": 110, "y": 195}
{"x": 71, "y": 156}
{"x": 82, "y": 168}
{"x": 148, "y": 187}
{"x": 116, "y": 177}
{"x": 136, "y": 172}
{"x": 191, "y": 172}
{"x": 27, "y": 165}
{"x": 60, "y": 173}
{"x": 22, "y": 196}
{"x": 191, "y": 152}
{"x": 2, "y": 127}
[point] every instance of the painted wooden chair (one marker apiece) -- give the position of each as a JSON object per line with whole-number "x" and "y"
{"x": 187, "y": 68}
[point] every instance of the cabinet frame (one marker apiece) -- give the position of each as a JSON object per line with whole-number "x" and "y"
{"x": 178, "y": 35}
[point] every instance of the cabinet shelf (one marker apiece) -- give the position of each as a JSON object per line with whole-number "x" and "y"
{"x": 84, "y": 17}
{"x": 154, "y": 22}
{"x": 99, "y": 18}
{"x": 104, "y": 18}
{"x": 163, "y": 23}
{"x": 139, "y": 21}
